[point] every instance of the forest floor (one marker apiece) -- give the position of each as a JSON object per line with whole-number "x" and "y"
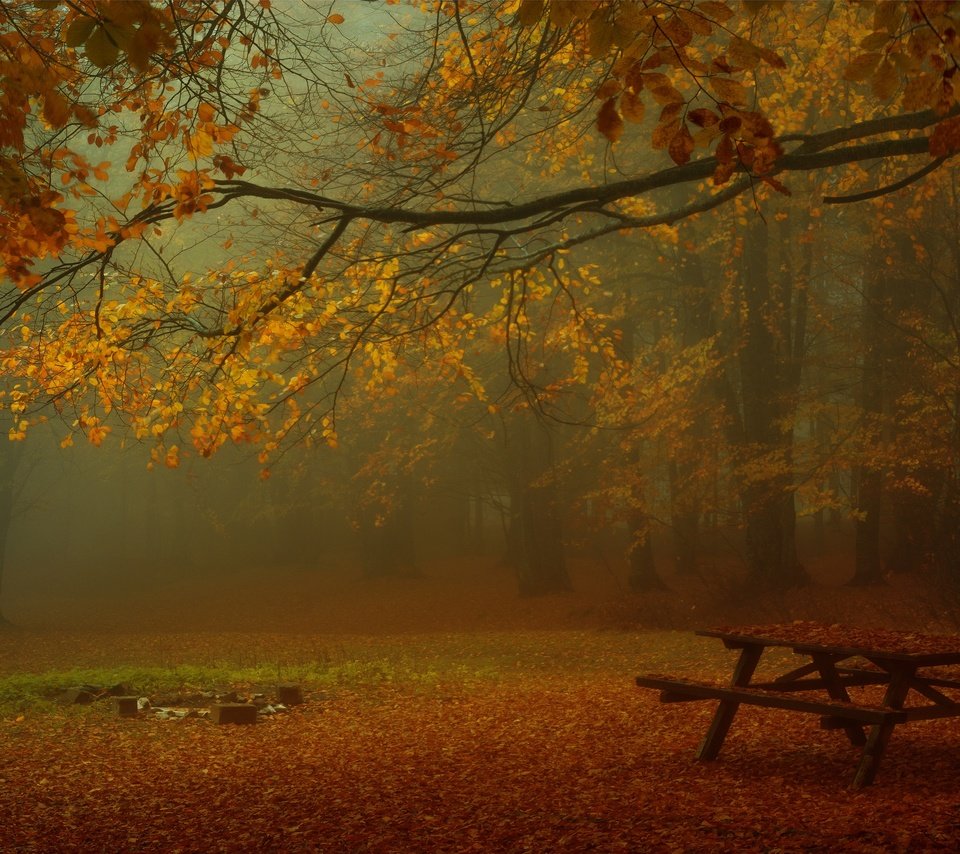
{"x": 442, "y": 715}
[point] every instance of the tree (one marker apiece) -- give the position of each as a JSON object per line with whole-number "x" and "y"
{"x": 368, "y": 230}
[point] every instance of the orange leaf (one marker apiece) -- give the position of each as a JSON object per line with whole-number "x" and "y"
{"x": 885, "y": 80}
{"x": 632, "y": 107}
{"x": 609, "y": 122}
{"x": 529, "y": 12}
{"x": 663, "y": 134}
{"x": 703, "y": 118}
{"x": 862, "y": 67}
{"x": 729, "y": 90}
{"x": 336, "y": 18}
{"x": 945, "y": 139}
{"x": 779, "y": 186}
{"x": 681, "y": 146}
{"x": 715, "y": 10}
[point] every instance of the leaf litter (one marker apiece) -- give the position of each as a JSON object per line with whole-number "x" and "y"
{"x": 547, "y": 746}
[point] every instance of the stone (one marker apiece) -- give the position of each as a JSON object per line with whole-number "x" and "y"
{"x": 289, "y": 695}
{"x": 233, "y": 713}
{"x": 81, "y": 695}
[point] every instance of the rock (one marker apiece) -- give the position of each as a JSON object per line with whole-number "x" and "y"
{"x": 267, "y": 710}
{"x": 80, "y": 695}
{"x": 143, "y": 702}
{"x": 233, "y": 713}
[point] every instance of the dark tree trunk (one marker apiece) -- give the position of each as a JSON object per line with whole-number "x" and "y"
{"x": 535, "y": 537}
{"x": 10, "y": 456}
{"x": 642, "y": 571}
{"x": 696, "y": 325}
{"x": 869, "y": 480}
{"x": 388, "y": 549}
{"x": 641, "y": 562}
{"x": 768, "y": 379}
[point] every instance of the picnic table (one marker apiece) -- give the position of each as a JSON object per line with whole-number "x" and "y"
{"x": 836, "y": 658}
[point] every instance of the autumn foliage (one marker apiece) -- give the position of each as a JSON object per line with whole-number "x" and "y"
{"x": 225, "y": 225}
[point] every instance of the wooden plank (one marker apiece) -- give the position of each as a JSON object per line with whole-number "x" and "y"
{"x": 732, "y": 640}
{"x": 742, "y": 674}
{"x": 826, "y": 664}
{"x": 931, "y": 693}
{"x": 900, "y": 678}
{"x": 851, "y": 681}
{"x": 751, "y": 696}
{"x": 930, "y": 713}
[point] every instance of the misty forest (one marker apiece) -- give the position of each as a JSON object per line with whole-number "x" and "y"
{"x": 385, "y": 385}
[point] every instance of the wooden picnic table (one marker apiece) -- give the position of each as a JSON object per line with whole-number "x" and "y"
{"x": 836, "y": 658}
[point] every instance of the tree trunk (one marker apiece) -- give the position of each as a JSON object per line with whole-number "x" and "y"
{"x": 696, "y": 325}
{"x": 388, "y": 549}
{"x": 10, "y": 457}
{"x": 641, "y": 562}
{"x": 869, "y": 481}
{"x": 642, "y": 570}
{"x": 535, "y": 537}
{"x": 768, "y": 377}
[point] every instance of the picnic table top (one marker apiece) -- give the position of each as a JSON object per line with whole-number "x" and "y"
{"x": 806, "y": 636}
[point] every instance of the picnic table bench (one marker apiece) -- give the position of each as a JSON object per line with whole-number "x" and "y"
{"x": 838, "y": 658}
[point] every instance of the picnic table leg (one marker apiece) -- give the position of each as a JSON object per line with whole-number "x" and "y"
{"x": 826, "y": 665}
{"x": 723, "y": 717}
{"x": 880, "y": 733}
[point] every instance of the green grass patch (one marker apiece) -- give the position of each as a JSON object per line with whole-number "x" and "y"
{"x": 440, "y": 665}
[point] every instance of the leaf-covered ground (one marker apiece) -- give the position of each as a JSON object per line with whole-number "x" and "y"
{"x": 443, "y": 714}
{"x": 507, "y": 741}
